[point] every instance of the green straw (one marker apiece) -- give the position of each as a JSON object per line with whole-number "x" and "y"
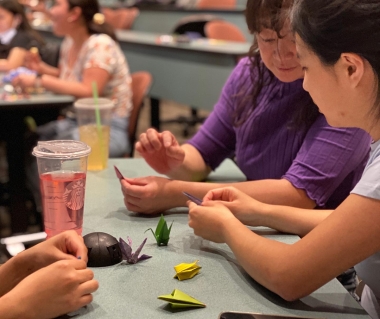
{"x": 97, "y": 115}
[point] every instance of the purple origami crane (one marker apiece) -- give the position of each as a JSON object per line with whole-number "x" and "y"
{"x": 128, "y": 255}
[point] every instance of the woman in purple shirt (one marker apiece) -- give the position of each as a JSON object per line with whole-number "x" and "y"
{"x": 284, "y": 146}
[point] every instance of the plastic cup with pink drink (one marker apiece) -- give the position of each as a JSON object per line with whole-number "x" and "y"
{"x": 62, "y": 168}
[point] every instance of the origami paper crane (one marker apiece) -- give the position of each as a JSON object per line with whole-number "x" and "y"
{"x": 179, "y": 299}
{"x": 128, "y": 255}
{"x": 162, "y": 232}
{"x": 118, "y": 173}
{"x": 194, "y": 199}
{"x": 186, "y": 271}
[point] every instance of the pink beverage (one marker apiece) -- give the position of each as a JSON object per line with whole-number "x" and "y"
{"x": 63, "y": 201}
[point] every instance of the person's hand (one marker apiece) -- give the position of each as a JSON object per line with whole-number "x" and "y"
{"x": 147, "y": 194}
{"x": 24, "y": 81}
{"x": 65, "y": 246}
{"x": 33, "y": 61}
{"x": 160, "y": 150}
{"x": 210, "y": 220}
{"x": 244, "y": 207}
{"x": 57, "y": 289}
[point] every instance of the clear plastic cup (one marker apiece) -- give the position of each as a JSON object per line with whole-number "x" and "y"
{"x": 94, "y": 134}
{"x": 62, "y": 168}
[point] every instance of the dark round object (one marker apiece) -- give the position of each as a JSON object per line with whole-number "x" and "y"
{"x": 103, "y": 249}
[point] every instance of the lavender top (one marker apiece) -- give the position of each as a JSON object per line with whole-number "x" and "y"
{"x": 326, "y": 162}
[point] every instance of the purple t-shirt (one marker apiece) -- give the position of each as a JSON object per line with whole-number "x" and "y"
{"x": 324, "y": 161}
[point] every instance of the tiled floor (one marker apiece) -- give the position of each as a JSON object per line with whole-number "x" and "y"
{"x": 169, "y": 110}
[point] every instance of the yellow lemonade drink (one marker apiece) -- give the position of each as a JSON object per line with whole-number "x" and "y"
{"x": 98, "y": 140}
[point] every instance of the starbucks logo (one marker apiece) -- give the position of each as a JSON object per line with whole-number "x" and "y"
{"x": 74, "y": 195}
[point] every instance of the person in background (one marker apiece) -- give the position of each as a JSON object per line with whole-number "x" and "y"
{"x": 16, "y": 35}
{"x": 89, "y": 53}
{"x": 268, "y": 122}
{"x": 47, "y": 280}
{"x": 338, "y": 43}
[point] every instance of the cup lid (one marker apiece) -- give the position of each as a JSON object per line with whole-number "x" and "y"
{"x": 89, "y": 104}
{"x": 64, "y": 149}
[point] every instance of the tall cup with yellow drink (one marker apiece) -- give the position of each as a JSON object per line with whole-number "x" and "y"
{"x": 94, "y": 129}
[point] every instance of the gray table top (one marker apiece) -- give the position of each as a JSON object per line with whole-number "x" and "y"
{"x": 151, "y": 39}
{"x": 164, "y": 18}
{"x": 40, "y": 99}
{"x": 131, "y": 291}
{"x": 203, "y": 45}
{"x": 46, "y": 97}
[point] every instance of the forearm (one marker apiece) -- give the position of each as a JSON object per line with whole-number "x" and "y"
{"x": 12, "y": 272}
{"x": 14, "y": 60}
{"x": 173, "y": 191}
{"x": 264, "y": 260}
{"x": 7, "y": 64}
{"x": 288, "y": 219}
{"x": 275, "y": 192}
{"x": 4, "y": 65}
{"x": 48, "y": 70}
{"x": 193, "y": 167}
{"x": 59, "y": 86}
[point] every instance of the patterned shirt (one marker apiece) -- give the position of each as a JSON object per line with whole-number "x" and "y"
{"x": 100, "y": 51}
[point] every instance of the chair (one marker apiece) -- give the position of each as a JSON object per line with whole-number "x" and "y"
{"x": 194, "y": 24}
{"x": 141, "y": 82}
{"x": 211, "y": 27}
{"x": 216, "y": 4}
{"x": 122, "y": 18}
{"x": 224, "y": 30}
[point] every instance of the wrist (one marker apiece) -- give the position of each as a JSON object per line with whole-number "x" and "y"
{"x": 229, "y": 228}
{"x": 263, "y": 213}
{"x": 173, "y": 191}
{"x": 37, "y": 82}
{"x": 25, "y": 262}
{"x": 41, "y": 68}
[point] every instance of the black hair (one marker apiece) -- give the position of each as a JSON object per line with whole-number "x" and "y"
{"x": 332, "y": 27}
{"x": 89, "y": 9}
{"x": 14, "y": 7}
{"x": 271, "y": 14}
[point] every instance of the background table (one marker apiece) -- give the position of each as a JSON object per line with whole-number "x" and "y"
{"x": 163, "y": 19}
{"x": 131, "y": 291}
{"x": 43, "y": 107}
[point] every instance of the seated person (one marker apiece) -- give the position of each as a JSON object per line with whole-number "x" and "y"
{"x": 16, "y": 35}
{"x": 25, "y": 288}
{"x": 344, "y": 81}
{"x": 284, "y": 146}
{"x": 88, "y": 53}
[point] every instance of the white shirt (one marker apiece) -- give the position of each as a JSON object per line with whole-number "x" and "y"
{"x": 7, "y": 36}
{"x": 369, "y": 269}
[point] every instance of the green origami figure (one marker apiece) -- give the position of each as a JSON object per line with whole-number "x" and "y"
{"x": 162, "y": 232}
{"x": 178, "y": 299}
